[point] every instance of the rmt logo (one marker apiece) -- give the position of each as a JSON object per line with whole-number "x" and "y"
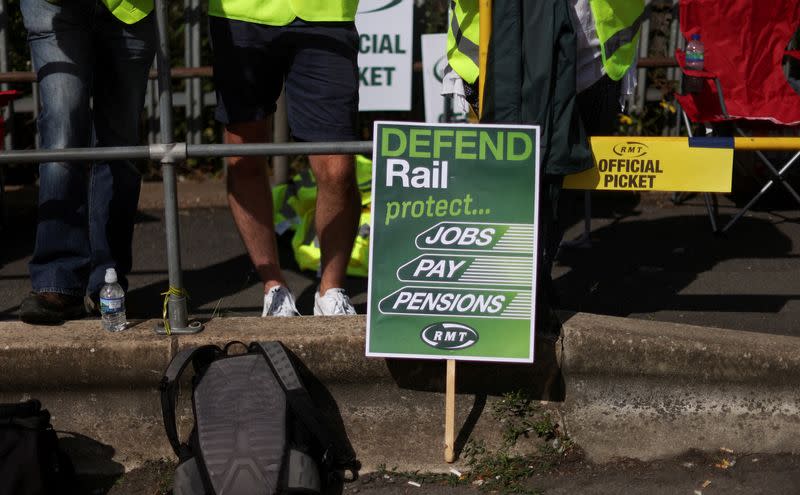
{"x": 449, "y": 336}
{"x": 630, "y": 149}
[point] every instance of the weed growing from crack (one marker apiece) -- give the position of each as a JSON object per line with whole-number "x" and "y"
{"x": 502, "y": 471}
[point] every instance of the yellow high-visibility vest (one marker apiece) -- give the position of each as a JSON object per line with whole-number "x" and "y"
{"x": 294, "y": 206}
{"x": 283, "y": 12}
{"x": 463, "y": 39}
{"x": 618, "y": 25}
{"x": 129, "y": 11}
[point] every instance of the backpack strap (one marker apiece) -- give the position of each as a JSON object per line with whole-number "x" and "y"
{"x": 201, "y": 355}
{"x": 20, "y": 409}
{"x": 302, "y": 405}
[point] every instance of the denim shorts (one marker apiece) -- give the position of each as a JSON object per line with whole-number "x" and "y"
{"x": 317, "y": 61}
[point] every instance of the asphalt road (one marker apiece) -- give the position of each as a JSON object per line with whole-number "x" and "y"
{"x": 649, "y": 259}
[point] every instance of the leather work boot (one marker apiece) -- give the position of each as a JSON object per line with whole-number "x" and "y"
{"x": 50, "y": 308}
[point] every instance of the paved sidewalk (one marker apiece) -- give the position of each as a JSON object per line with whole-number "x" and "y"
{"x": 649, "y": 259}
{"x": 655, "y": 260}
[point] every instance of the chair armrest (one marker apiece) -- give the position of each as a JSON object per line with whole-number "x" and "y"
{"x": 7, "y": 96}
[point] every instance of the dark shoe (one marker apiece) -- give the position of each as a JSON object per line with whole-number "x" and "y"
{"x": 50, "y": 308}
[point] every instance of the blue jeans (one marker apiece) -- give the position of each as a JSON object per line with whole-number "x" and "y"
{"x": 92, "y": 72}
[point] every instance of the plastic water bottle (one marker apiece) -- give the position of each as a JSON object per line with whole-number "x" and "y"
{"x": 695, "y": 53}
{"x": 112, "y": 303}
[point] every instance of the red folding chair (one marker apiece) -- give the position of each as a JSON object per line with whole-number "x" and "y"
{"x": 743, "y": 78}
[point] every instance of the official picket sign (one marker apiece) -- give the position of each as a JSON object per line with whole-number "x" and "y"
{"x": 452, "y": 270}
{"x": 385, "y": 29}
{"x": 656, "y": 164}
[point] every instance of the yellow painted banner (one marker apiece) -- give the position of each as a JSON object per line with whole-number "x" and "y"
{"x": 625, "y": 163}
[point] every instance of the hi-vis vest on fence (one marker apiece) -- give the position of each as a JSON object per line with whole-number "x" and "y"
{"x": 295, "y": 203}
{"x": 463, "y": 39}
{"x": 617, "y": 23}
{"x": 129, "y": 11}
{"x": 283, "y": 12}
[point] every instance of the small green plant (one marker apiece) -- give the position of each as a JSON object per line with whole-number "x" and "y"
{"x": 545, "y": 428}
{"x": 521, "y": 415}
{"x": 498, "y": 471}
{"x": 504, "y": 472}
{"x": 165, "y": 471}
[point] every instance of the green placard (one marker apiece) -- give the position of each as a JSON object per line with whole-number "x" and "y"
{"x": 452, "y": 271}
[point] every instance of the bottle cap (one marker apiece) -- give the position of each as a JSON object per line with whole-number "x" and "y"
{"x": 695, "y": 36}
{"x": 111, "y": 276}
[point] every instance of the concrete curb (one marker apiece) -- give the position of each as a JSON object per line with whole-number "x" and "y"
{"x": 651, "y": 389}
{"x": 621, "y": 387}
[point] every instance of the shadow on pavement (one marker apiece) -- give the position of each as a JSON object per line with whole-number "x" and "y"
{"x": 210, "y": 286}
{"x": 642, "y": 265}
{"x": 97, "y": 472}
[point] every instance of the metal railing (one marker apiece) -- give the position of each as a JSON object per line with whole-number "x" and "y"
{"x": 169, "y": 154}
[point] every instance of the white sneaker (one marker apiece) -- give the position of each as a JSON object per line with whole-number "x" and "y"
{"x": 278, "y": 301}
{"x": 334, "y": 302}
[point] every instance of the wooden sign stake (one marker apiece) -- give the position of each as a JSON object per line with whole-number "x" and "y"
{"x": 450, "y": 412}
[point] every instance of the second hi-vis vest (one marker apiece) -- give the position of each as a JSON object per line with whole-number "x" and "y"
{"x": 617, "y": 23}
{"x": 129, "y": 11}
{"x": 463, "y": 39}
{"x": 294, "y": 205}
{"x": 283, "y": 12}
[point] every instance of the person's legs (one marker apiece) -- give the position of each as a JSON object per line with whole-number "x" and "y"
{"x": 248, "y": 77}
{"x": 328, "y": 112}
{"x": 250, "y": 201}
{"x": 550, "y": 234}
{"x": 123, "y": 58}
{"x": 336, "y": 217}
{"x": 61, "y": 51}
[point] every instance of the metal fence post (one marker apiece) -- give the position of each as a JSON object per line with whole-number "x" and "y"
{"x": 195, "y": 82}
{"x": 644, "y": 49}
{"x": 176, "y": 296}
{"x": 191, "y": 55}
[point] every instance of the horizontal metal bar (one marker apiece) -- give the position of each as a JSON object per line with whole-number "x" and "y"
{"x": 74, "y": 154}
{"x": 176, "y": 72}
{"x": 331, "y": 148}
{"x": 767, "y": 143}
{"x": 157, "y": 152}
{"x": 207, "y": 71}
{"x": 655, "y": 62}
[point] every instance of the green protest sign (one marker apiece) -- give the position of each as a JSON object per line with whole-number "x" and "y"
{"x": 453, "y": 242}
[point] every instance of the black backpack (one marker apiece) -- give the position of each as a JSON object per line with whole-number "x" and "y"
{"x": 256, "y": 429}
{"x": 31, "y": 462}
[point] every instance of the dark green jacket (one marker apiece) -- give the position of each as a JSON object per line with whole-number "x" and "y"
{"x": 530, "y": 79}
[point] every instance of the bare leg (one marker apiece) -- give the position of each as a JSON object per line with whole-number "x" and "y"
{"x": 250, "y": 201}
{"x": 336, "y": 219}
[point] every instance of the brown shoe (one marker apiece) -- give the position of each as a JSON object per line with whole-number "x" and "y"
{"x": 50, "y": 308}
